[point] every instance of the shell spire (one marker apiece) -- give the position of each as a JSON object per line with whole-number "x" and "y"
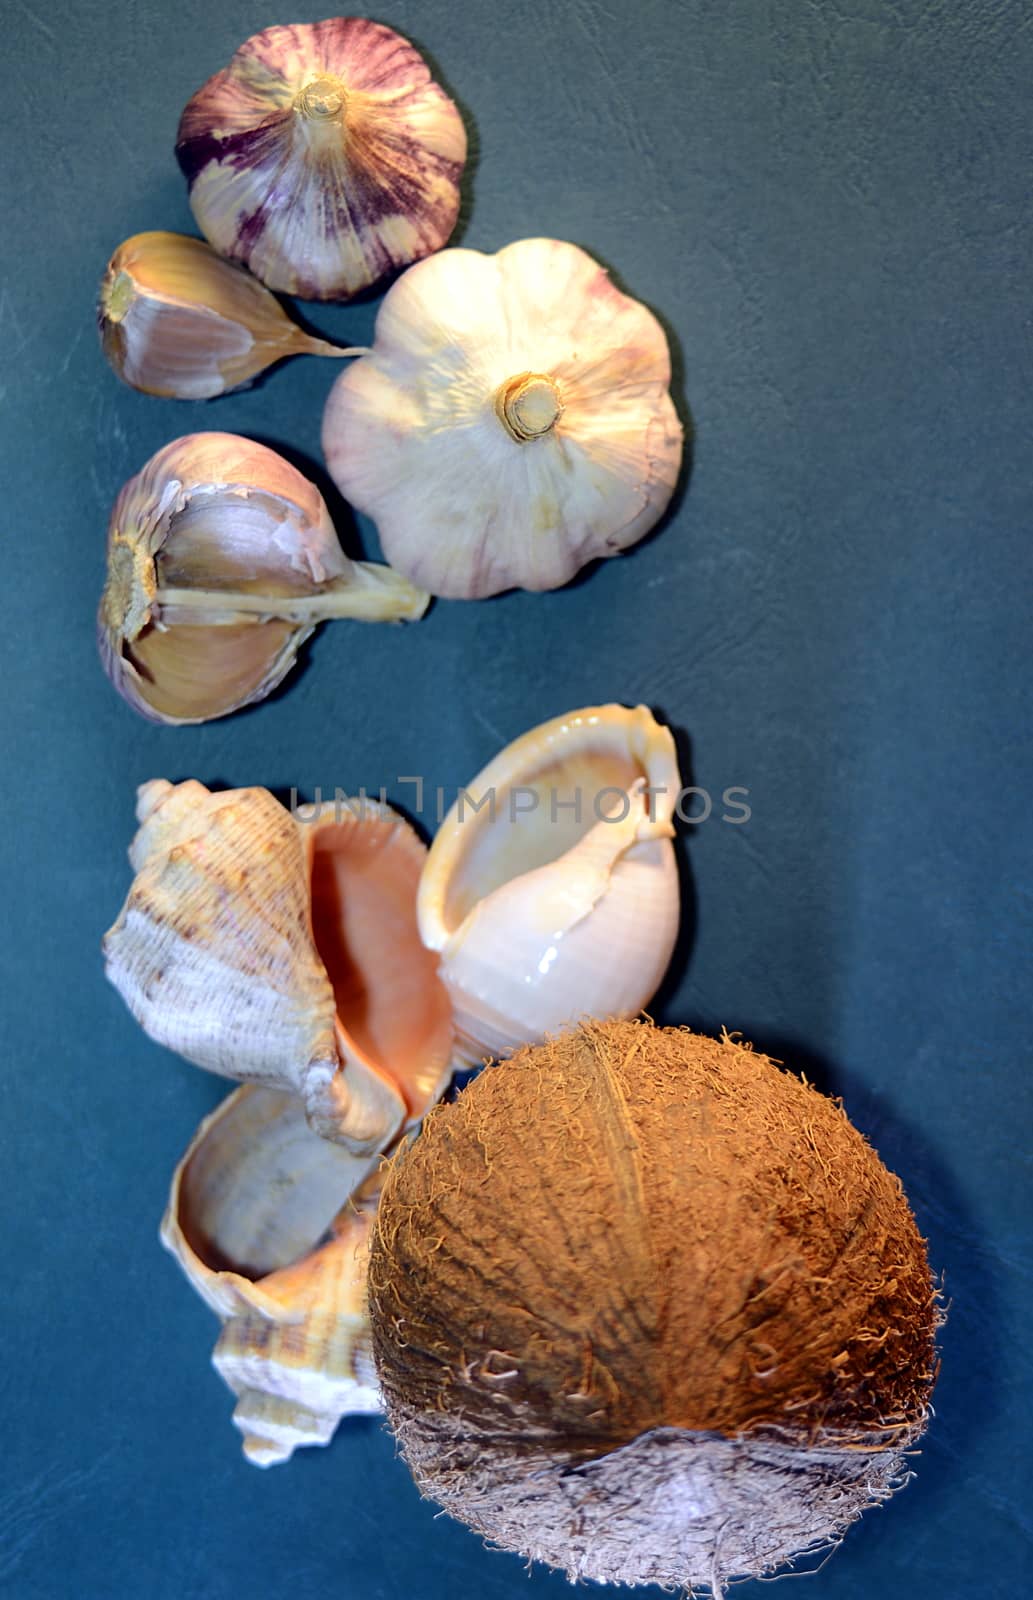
{"x": 271, "y": 1228}
{"x": 287, "y": 954}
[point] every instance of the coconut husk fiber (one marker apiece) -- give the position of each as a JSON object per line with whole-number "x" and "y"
{"x": 649, "y": 1309}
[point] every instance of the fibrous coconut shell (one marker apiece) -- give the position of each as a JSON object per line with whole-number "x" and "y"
{"x": 650, "y": 1309}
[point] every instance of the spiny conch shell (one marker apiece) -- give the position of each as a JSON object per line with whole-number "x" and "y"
{"x": 222, "y": 559}
{"x": 265, "y": 1220}
{"x": 512, "y": 423}
{"x": 177, "y": 320}
{"x": 544, "y": 914}
{"x": 287, "y": 953}
{"x": 323, "y": 157}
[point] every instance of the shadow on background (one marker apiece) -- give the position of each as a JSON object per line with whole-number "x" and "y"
{"x": 682, "y": 953}
{"x": 467, "y": 183}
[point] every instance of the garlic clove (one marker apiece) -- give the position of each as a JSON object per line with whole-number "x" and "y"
{"x": 222, "y": 559}
{"x": 250, "y": 1209}
{"x": 179, "y": 666}
{"x": 323, "y": 157}
{"x": 286, "y": 953}
{"x": 542, "y": 914}
{"x": 177, "y": 320}
{"x": 512, "y": 423}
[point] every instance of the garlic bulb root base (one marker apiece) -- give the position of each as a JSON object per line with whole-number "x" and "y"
{"x": 117, "y": 296}
{"x": 131, "y": 589}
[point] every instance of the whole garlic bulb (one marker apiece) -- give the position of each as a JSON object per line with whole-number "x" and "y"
{"x": 649, "y": 1309}
{"x": 323, "y": 157}
{"x": 177, "y": 320}
{"x": 222, "y": 559}
{"x": 512, "y": 423}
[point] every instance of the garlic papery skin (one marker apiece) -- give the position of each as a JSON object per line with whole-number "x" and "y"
{"x": 222, "y": 559}
{"x": 324, "y": 157}
{"x": 286, "y": 953}
{"x": 512, "y": 423}
{"x": 557, "y": 899}
{"x": 177, "y": 320}
{"x": 270, "y": 1225}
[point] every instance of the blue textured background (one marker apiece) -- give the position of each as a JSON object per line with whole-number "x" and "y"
{"x": 829, "y": 206}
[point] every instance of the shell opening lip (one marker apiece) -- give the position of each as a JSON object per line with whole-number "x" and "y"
{"x": 389, "y": 1004}
{"x": 227, "y": 1174}
{"x": 571, "y": 765}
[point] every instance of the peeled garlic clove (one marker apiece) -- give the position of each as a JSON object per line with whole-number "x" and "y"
{"x": 286, "y": 953}
{"x": 222, "y": 559}
{"x": 557, "y": 899}
{"x": 512, "y": 423}
{"x": 177, "y": 320}
{"x": 323, "y": 157}
{"x": 271, "y": 1224}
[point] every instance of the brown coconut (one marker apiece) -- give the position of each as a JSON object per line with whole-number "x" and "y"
{"x": 649, "y": 1309}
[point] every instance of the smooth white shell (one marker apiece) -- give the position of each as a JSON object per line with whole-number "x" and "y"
{"x": 541, "y": 918}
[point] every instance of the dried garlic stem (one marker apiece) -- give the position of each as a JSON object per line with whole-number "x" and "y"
{"x": 321, "y": 99}
{"x": 528, "y": 405}
{"x": 321, "y": 347}
{"x": 370, "y": 593}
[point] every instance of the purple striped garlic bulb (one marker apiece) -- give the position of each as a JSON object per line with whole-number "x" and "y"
{"x": 511, "y": 423}
{"x": 323, "y": 157}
